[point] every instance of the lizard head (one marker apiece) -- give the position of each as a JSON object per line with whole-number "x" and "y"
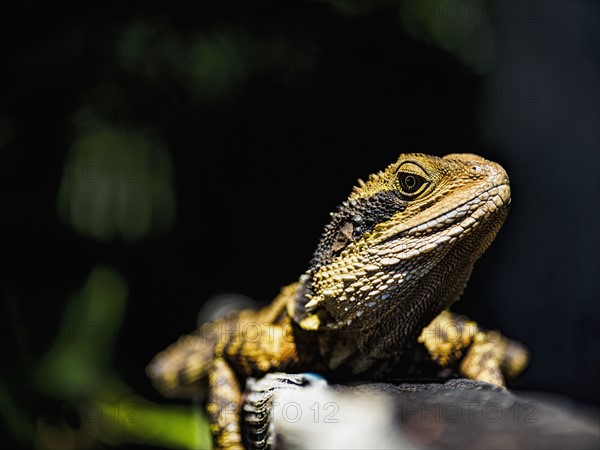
{"x": 404, "y": 242}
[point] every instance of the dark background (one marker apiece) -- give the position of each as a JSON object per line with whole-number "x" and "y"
{"x": 305, "y": 98}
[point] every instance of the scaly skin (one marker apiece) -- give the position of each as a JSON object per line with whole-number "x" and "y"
{"x": 373, "y": 302}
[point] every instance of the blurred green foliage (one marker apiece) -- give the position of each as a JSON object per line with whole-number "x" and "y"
{"x": 77, "y": 372}
{"x": 78, "y": 363}
{"x": 117, "y": 182}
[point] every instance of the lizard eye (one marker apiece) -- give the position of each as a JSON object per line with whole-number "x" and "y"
{"x": 410, "y": 183}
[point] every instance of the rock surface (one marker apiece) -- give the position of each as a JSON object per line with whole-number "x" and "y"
{"x": 286, "y": 411}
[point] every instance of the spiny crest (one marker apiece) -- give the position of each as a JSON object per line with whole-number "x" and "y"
{"x": 375, "y": 183}
{"x": 386, "y": 178}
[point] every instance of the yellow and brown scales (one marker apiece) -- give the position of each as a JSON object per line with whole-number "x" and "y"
{"x": 373, "y": 302}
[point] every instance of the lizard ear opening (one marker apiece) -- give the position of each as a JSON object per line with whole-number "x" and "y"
{"x": 343, "y": 237}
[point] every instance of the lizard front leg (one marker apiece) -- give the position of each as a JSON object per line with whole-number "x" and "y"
{"x": 253, "y": 351}
{"x": 483, "y": 355}
{"x": 224, "y": 405}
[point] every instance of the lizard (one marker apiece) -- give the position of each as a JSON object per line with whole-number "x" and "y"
{"x": 374, "y": 300}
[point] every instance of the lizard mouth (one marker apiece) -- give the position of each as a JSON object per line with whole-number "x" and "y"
{"x": 463, "y": 217}
{"x": 405, "y": 242}
{"x": 455, "y": 222}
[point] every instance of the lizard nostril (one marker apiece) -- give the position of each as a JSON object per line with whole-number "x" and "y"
{"x": 476, "y": 170}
